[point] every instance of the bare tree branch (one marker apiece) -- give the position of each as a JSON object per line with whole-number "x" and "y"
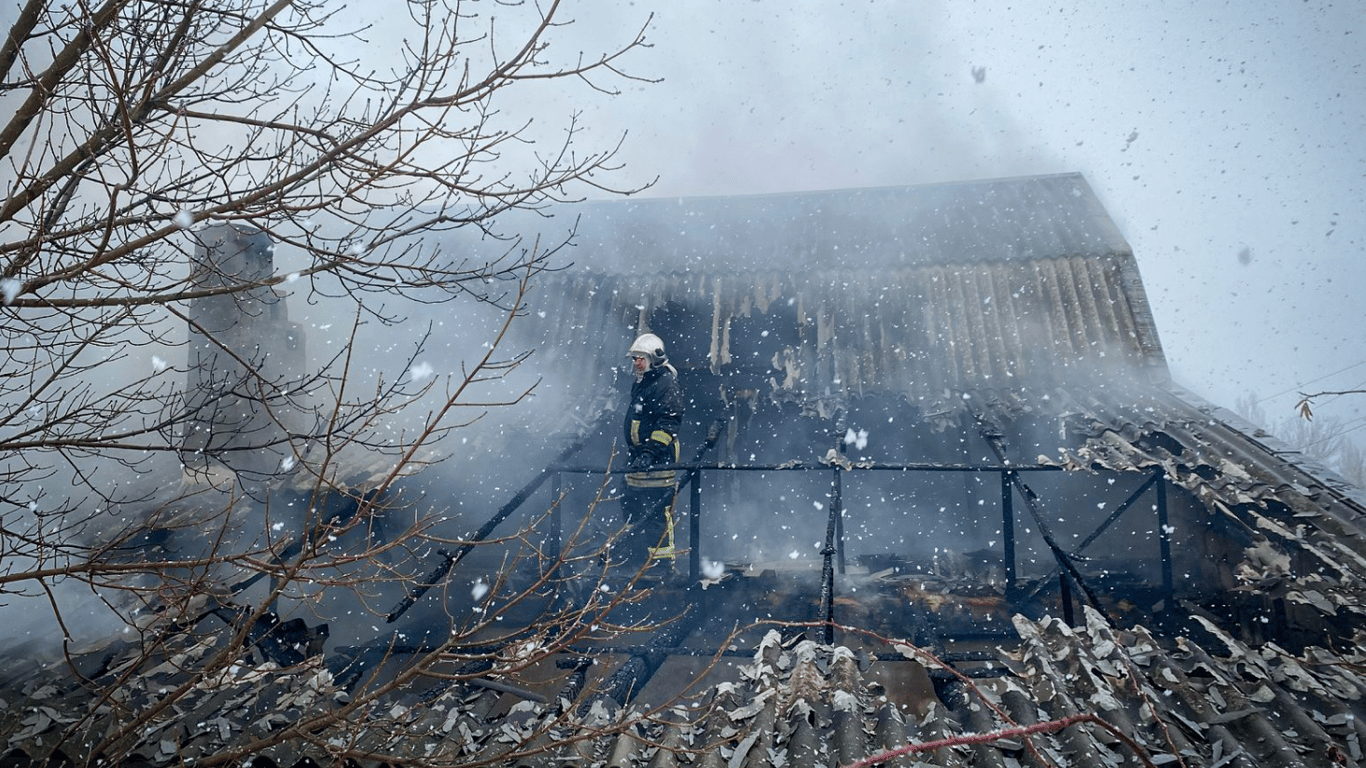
{"x": 1305, "y": 404}
{"x": 182, "y": 180}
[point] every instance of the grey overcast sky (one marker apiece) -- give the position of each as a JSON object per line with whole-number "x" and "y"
{"x": 1226, "y": 139}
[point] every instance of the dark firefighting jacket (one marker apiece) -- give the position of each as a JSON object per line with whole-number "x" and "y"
{"x": 652, "y": 421}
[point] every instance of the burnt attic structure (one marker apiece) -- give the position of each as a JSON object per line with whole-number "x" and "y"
{"x": 963, "y": 380}
{"x": 941, "y": 504}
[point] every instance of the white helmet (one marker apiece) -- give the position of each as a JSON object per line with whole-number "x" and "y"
{"x": 649, "y": 345}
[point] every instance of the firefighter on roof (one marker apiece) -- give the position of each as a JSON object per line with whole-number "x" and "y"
{"x": 652, "y": 421}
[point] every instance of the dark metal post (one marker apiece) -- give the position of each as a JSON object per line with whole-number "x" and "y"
{"x": 837, "y": 509}
{"x": 1065, "y": 589}
{"x": 449, "y": 559}
{"x": 828, "y": 565}
{"x": 1031, "y": 501}
{"x": 1008, "y": 530}
{"x": 1164, "y": 540}
{"x": 695, "y": 527}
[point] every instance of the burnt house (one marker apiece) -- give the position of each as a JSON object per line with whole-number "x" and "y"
{"x": 977, "y": 361}
{"x": 938, "y": 468}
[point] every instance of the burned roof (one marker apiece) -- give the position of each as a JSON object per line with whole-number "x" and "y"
{"x": 1091, "y": 695}
{"x": 926, "y": 333}
{"x": 927, "y": 292}
{"x": 1022, "y": 304}
{"x": 1006, "y": 314}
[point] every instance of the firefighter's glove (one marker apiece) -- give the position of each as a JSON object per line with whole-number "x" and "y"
{"x": 641, "y": 460}
{"x": 660, "y": 452}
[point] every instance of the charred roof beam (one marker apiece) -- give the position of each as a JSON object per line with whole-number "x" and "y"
{"x": 992, "y": 434}
{"x": 1154, "y": 480}
{"x": 449, "y": 559}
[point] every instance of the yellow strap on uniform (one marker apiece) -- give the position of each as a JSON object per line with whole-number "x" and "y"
{"x": 667, "y": 551}
{"x": 660, "y": 436}
{"x": 657, "y": 478}
{"x": 635, "y": 431}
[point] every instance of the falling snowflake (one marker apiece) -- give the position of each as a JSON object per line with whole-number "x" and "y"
{"x": 857, "y": 439}
{"x": 9, "y": 288}
{"x": 184, "y": 219}
{"x": 421, "y": 371}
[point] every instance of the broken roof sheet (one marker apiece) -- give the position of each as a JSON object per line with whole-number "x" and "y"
{"x": 1088, "y": 696}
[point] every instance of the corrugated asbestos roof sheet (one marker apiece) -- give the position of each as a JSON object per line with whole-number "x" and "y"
{"x": 924, "y": 333}
{"x": 1033, "y": 217}
{"x": 793, "y": 704}
{"x": 925, "y": 292}
{"x": 1291, "y": 505}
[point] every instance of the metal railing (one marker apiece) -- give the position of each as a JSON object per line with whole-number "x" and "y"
{"x": 1011, "y": 484}
{"x": 833, "y": 552}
